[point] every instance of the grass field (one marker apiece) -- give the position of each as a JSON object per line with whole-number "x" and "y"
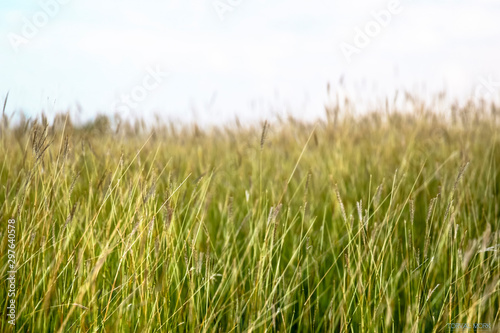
{"x": 382, "y": 222}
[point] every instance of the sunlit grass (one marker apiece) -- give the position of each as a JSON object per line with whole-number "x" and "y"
{"x": 383, "y": 222}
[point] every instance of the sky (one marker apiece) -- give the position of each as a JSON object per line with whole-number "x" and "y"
{"x": 212, "y": 60}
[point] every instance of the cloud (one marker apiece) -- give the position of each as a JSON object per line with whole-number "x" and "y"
{"x": 94, "y": 49}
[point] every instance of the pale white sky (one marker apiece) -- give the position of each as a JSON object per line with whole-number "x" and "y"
{"x": 265, "y": 55}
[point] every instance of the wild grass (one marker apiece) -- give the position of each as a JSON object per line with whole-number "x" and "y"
{"x": 382, "y": 222}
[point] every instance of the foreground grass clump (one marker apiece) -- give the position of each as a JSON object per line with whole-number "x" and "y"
{"x": 382, "y": 222}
